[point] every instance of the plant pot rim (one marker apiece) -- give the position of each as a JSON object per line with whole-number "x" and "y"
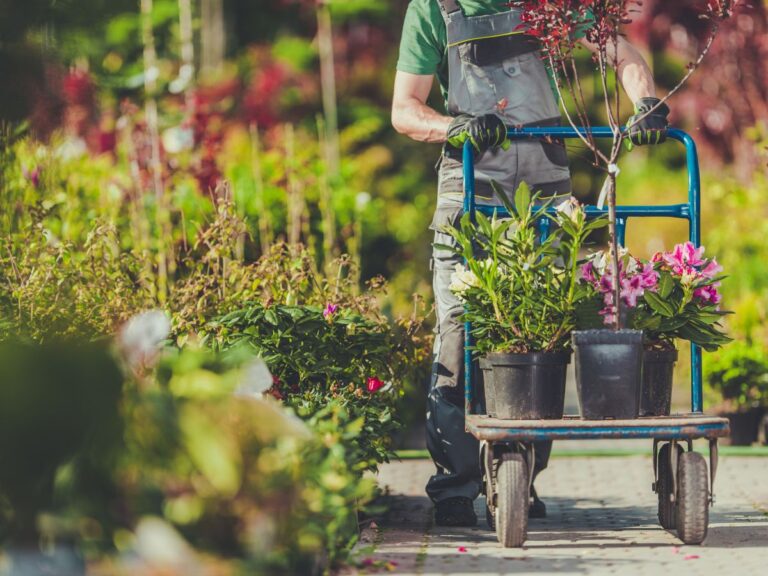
{"x": 660, "y": 356}
{"x": 659, "y": 346}
{"x": 607, "y": 336}
{"x": 501, "y": 358}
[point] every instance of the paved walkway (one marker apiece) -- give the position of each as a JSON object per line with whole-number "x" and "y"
{"x": 602, "y": 520}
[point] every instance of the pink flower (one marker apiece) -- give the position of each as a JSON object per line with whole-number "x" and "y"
{"x": 683, "y": 258}
{"x": 374, "y": 384}
{"x": 708, "y": 294}
{"x": 649, "y": 278}
{"x": 712, "y": 269}
{"x": 609, "y": 316}
{"x": 33, "y": 176}
{"x": 330, "y": 311}
{"x": 462, "y": 549}
{"x": 588, "y": 272}
{"x": 631, "y": 290}
{"x": 606, "y": 284}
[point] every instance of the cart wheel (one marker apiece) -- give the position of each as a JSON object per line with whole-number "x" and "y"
{"x": 489, "y": 518}
{"x": 513, "y": 500}
{"x": 692, "y": 498}
{"x": 665, "y": 488}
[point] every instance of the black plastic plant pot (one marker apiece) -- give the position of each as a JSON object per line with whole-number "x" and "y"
{"x": 528, "y": 386}
{"x": 609, "y": 373}
{"x": 658, "y": 373}
{"x": 745, "y": 426}
{"x": 486, "y": 370}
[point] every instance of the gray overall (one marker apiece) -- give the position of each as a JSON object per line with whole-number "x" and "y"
{"x": 493, "y": 68}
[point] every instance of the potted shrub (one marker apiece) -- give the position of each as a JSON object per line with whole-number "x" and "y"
{"x": 609, "y": 360}
{"x": 520, "y": 293}
{"x": 740, "y": 374}
{"x": 675, "y": 296}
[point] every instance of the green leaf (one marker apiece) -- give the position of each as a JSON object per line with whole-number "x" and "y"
{"x": 271, "y": 317}
{"x": 522, "y": 200}
{"x": 213, "y": 452}
{"x": 666, "y": 284}
{"x": 502, "y": 194}
{"x": 658, "y": 305}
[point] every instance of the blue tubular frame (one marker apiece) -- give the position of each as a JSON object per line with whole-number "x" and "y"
{"x": 690, "y": 211}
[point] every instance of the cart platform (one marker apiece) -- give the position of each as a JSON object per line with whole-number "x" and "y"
{"x": 676, "y": 427}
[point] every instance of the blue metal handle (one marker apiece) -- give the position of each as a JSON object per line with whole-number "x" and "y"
{"x": 691, "y": 211}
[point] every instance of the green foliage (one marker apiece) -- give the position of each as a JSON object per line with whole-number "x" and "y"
{"x": 673, "y": 312}
{"x": 739, "y": 373}
{"x": 317, "y": 357}
{"x": 281, "y": 491}
{"x": 58, "y": 402}
{"x": 239, "y": 477}
{"x": 521, "y": 293}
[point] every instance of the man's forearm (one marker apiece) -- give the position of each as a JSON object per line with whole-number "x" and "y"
{"x": 634, "y": 73}
{"x": 420, "y": 122}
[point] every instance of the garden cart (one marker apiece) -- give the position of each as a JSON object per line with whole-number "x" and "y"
{"x": 683, "y": 481}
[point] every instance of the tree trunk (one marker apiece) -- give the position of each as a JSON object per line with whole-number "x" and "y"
{"x": 328, "y": 86}
{"x": 212, "y": 35}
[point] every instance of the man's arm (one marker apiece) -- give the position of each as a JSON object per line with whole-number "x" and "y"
{"x": 634, "y": 73}
{"x": 411, "y": 115}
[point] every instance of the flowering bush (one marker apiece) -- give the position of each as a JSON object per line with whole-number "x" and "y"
{"x": 675, "y": 295}
{"x": 554, "y": 23}
{"x": 319, "y": 355}
{"x": 521, "y": 293}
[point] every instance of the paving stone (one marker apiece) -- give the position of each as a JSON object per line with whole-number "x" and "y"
{"x": 602, "y": 520}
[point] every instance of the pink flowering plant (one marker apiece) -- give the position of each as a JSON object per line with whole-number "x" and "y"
{"x": 675, "y": 295}
{"x": 558, "y": 25}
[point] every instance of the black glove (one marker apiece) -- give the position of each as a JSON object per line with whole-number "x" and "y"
{"x": 484, "y": 132}
{"x": 653, "y": 128}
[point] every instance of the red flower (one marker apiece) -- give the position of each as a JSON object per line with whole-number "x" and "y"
{"x": 374, "y": 384}
{"x": 79, "y": 89}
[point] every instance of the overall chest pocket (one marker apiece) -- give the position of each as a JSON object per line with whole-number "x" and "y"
{"x": 494, "y": 71}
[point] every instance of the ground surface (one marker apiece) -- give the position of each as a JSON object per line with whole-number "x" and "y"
{"x": 602, "y": 520}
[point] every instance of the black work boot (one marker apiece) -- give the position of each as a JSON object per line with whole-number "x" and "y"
{"x": 457, "y": 511}
{"x": 537, "y": 509}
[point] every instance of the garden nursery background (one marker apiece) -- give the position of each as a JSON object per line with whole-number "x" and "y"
{"x": 221, "y": 176}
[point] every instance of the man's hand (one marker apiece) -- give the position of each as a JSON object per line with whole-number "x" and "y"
{"x": 484, "y": 132}
{"x": 653, "y": 128}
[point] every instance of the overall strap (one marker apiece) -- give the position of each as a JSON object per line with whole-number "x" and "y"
{"x": 449, "y": 8}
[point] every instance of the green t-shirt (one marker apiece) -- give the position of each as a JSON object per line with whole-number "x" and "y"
{"x": 423, "y": 47}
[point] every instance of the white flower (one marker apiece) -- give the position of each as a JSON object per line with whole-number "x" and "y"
{"x": 178, "y": 139}
{"x": 256, "y": 380}
{"x": 487, "y": 264}
{"x": 362, "y": 200}
{"x": 599, "y": 261}
{"x": 142, "y": 336}
{"x": 158, "y": 543}
{"x": 462, "y": 280}
{"x": 571, "y": 208}
{"x": 633, "y": 265}
{"x": 602, "y": 261}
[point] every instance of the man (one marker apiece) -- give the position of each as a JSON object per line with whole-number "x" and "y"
{"x": 491, "y": 76}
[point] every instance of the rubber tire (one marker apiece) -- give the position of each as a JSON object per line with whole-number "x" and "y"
{"x": 513, "y": 500}
{"x": 664, "y": 487}
{"x": 692, "y": 498}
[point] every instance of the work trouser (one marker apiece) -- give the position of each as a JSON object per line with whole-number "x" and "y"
{"x": 454, "y": 451}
